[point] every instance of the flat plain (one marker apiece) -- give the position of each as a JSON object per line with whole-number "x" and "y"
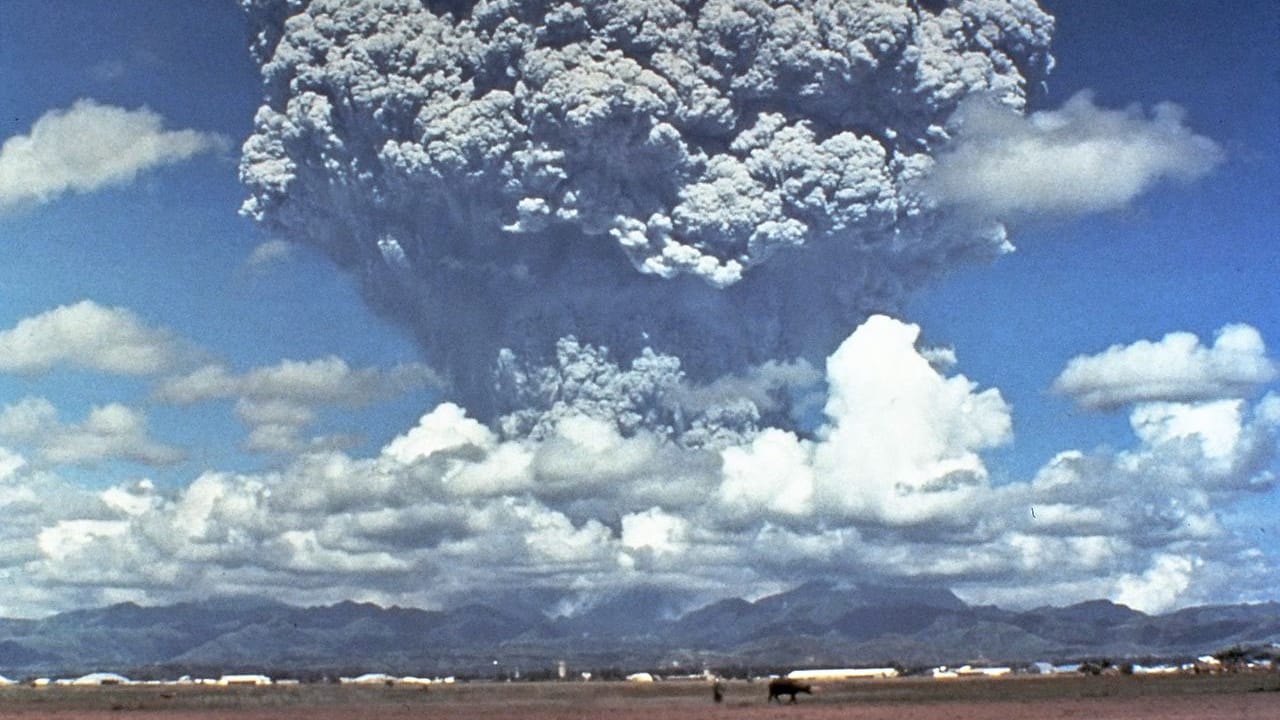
{"x": 1253, "y": 696}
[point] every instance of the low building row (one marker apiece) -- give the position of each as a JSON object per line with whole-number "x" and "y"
{"x": 236, "y": 680}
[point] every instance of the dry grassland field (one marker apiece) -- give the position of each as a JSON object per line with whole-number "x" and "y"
{"x": 1252, "y": 697}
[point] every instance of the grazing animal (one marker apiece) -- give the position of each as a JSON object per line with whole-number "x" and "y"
{"x": 782, "y": 686}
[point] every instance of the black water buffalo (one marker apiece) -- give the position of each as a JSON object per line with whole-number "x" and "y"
{"x": 782, "y": 686}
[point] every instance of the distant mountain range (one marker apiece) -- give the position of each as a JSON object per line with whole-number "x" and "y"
{"x": 815, "y": 624}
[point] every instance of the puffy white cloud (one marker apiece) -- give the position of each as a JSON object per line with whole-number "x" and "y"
{"x": 772, "y": 475}
{"x": 27, "y": 418}
{"x": 1229, "y": 443}
{"x": 10, "y": 463}
{"x": 1151, "y": 515}
{"x": 131, "y": 500}
{"x": 108, "y": 432}
{"x": 902, "y": 443}
{"x": 654, "y": 531}
{"x": 88, "y": 335}
{"x": 1215, "y": 427}
{"x": 1080, "y": 158}
{"x": 89, "y": 146}
{"x": 280, "y": 401}
{"x": 444, "y": 428}
{"x": 71, "y": 537}
{"x": 892, "y": 486}
{"x": 1177, "y": 368}
{"x": 554, "y": 544}
{"x": 31, "y": 502}
{"x": 302, "y": 551}
{"x": 1159, "y": 587}
{"x": 328, "y": 380}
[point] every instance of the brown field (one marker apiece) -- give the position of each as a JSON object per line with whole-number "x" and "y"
{"x": 1255, "y": 697}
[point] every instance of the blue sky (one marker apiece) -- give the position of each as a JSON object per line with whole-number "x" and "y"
{"x": 1185, "y": 258}
{"x": 166, "y": 249}
{"x": 171, "y": 245}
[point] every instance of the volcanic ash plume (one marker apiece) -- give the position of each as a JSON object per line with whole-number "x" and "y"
{"x": 720, "y": 183}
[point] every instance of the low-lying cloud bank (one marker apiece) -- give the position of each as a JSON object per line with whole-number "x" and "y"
{"x": 892, "y": 485}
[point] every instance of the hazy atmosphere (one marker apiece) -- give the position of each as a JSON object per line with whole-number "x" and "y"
{"x": 420, "y": 301}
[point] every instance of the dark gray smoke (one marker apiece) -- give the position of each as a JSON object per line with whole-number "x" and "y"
{"x": 727, "y": 182}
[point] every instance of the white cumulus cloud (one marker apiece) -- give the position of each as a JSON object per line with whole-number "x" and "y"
{"x": 1158, "y": 588}
{"x": 90, "y": 336}
{"x": 892, "y": 486}
{"x": 108, "y": 432}
{"x": 328, "y": 380}
{"x": 278, "y": 402}
{"x": 1078, "y": 159}
{"x": 930, "y": 464}
{"x": 1177, "y": 368}
{"x": 89, "y": 146}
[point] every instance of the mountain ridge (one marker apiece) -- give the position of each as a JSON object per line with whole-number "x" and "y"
{"x": 816, "y": 623}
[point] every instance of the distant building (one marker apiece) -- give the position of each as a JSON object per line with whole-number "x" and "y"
{"x": 1156, "y": 669}
{"x": 100, "y": 678}
{"x": 244, "y": 680}
{"x": 1209, "y": 662}
{"x": 6, "y": 681}
{"x": 369, "y": 679}
{"x": 830, "y": 674}
{"x": 970, "y": 671}
{"x": 945, "y": 672}
{"x": 640, "y": 677}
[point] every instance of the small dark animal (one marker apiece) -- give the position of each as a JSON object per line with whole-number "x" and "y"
{"x": 782, "y": 686}
{"x": 717, "y": 692}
